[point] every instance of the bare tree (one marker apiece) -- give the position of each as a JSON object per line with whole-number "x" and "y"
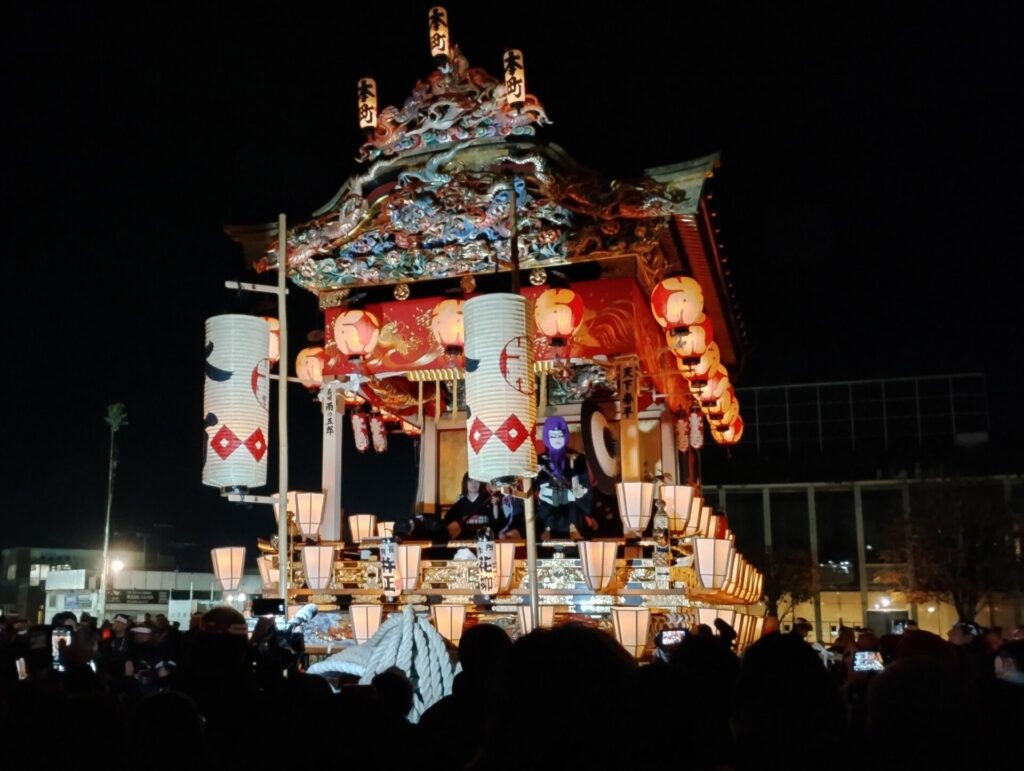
{"x": 790, "y": 576}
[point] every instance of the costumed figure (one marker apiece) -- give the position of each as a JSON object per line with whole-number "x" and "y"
{"x": 509, "y": 515}
{"x": 564, "y": 505}
{"x": 471, "y": 512}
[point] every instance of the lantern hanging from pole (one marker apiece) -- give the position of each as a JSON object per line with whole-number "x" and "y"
{"x": 378, "y": 432}
{"x": 309, "y": 366}
{"x": 356, "y": 333}
{"x": 635, "y": 500}
{"x": 500, "y": 388}
{"x": 228, "y": 565}
{"x": 547, "y": 617}
{"x": 389, "y": 569}
{"x": 558, "y": 313}
{"x": 440, "y": 41}
{"x": 274, "y": 352}
{"x": 515, "y": 79}
{"x": 318, "y": 564}
{"x": 309, "y": 512}
{"x": 711, "y": 561}
{"x": 597, "y": 559}
{"x": 365, "y": 619}
{"x": 631, "y": 625}
{"x": 698, "y": 373}
{"x": 236, "y": 398}
{"x": 682, "y": 434}
{"x": 360, "y": 431}
{"x": 696, "y": 429}
{"x": 677, "y": 302}
{"x": 446, "y": 325}
{"x": 366, "y": 97}
{"x": 689, "y": 343}
{"x": 734, "y": 432}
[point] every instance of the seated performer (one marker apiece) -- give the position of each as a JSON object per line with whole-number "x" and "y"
{"x": 470, "y": 513}
{"x": 564, "y": 500}
{"x": 509, "y": 515}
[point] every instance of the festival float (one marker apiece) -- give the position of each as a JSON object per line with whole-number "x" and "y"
{"x": 477, "y": 284}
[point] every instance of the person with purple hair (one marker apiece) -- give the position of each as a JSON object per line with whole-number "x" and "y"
{"x": 564, "y": 500}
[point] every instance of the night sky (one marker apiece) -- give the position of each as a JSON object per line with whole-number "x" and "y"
{"x": 869, "y": 199}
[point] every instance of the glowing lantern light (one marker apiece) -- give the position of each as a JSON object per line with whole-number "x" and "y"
{"x": 690, "y": 342}
{"x": 597, "y": 558}
{"x": 318, "y": 564}
{"x": 696, "y": 429}
{"x": 712, "y": 390}
{"x": 274, "y": 352}
{"x": 449, "y": 619}
{"x": 361, "y": 526}
{"x": 558, "y": 313}
{"x": 635, "y": 500}
{"x": 235, "y": 400}
{"x": 699, "y": 372}
{"x": 440, "y": 41}
{"x": 712, "y": 557}
{"x": 631, "y": 625}
{"x": 677, "y": 302}
{"x": 515, "y": 78}
{"x": 356, "y": 333}
{"x": 408, "y": 565}
{"x": 365, "y": 618}
{"x": 547, "y": 617}
{"x": 734, "y": 432}
{"x": 678, "y": 502}
{"x": 366, "y": 97}
{"x": 228, "y": 564}
{"x": 309, "y": 366}
{"x": 499, "y": 388}
{"x": 446, "y": 325}
{"x": 308, "y": 509}
{"x": 268, "y": 573}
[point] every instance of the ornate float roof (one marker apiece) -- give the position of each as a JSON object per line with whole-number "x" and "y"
{"x": 435, "y": 201}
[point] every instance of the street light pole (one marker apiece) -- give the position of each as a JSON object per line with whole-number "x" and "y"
{"x": 117, "y": 416}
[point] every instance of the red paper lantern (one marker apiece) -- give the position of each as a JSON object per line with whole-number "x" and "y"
{"x": 677, "y": 302}
{"x": 356, "y": 333}
{"x": 708, "y": 364}
{"x": 447, "y": 327}
{"x": 558, "y": 313}
{"x": 731, "y": 434}
{"x": 309, "y": 366}
{"x": 690, "y": 343}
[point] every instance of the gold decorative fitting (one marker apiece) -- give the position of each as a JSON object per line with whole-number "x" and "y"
{"x": 401, "y": 292}
{"x": 538, "y": 277}
{"x": 334, "y": 298}
{"x": 467, "y": 284}
{"x": 431, "y": 375}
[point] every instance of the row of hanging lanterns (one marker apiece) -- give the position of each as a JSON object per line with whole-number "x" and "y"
{"x": 677, "y": 303}
{"x": 513, "y": 71}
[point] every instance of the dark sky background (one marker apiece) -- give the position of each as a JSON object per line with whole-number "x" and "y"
{"x": 869, "y": 198}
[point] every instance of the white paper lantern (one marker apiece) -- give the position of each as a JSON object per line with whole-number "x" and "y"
{"x": 631, "y": 625}
{"x": 228, "y": 564}
{"x": 365, "y": 618}
{"x": 385, "y": 529}
{"x": 361, "y": 526}
{"x": 678, "y": 501}
{"x": 635, "y": 500}
{"x": 318, "y": 563}
{"x": 712, "y": 557}
{"x": 500, "y": 387}
{"x": 693, "y": 523}
{"x": 366, "y": 99}
{"x": 389, "y": 569}
{"x": 308, "y": 509}
{"x": 269, "y": 575}
{"x": 505, "y": 562}
{"x": 598, "y": 561}
{"x": 408, "y": 555}
{"x": 449, "y": 620}
{"x": 515, "y": 77}
{"x": 546, "y": 613}
{"x": 235, "y": 399}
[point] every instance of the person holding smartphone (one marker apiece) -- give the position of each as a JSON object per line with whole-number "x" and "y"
{"x": 117, "y": 654}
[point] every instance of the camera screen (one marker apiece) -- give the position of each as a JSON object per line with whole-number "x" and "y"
{"x": 56, "y": 636}
{"x": 672, "y": 636}
{"x": 867, "y": 661}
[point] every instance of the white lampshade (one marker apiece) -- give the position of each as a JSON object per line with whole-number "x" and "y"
{"x": 449, "y": 620}
{"x": 742, "y": 626}
{"x": 716, "y": 526}
{"x": 228, "y": 565}
{"x": 708, "y": 616}
{"x": 269, "y": 575}
{"x": 408, "y": 559}
{"x": 500, "y": 387}
{"x": 361, "y": 526}
{"x": 631, "y": 625}
{"x": 635, "y": 499}
{"x": 236, "y": 397}
{"x": 757, "y": 629}
{"x": 385, "y": 529}
{"x": 318, "y": 563}
{"x": 505, "y": 563}
{"x": 547, "y": 617}
{"x": 678, "y": 501}
{"x": 598, "y": 561}
{"x": 693, "y": 521}
{"x": 365, "y": 618}
{"x": 704, "y": 526}
{"x": 712, "y": 557}
{"x": 308, "y": 509}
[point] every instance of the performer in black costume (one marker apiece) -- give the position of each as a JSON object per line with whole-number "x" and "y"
{"x": 564, "y": 501}
{"x": 471, "y": 512}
